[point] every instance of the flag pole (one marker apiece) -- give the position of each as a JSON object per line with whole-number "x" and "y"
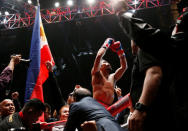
{"x": 38, "y": 4}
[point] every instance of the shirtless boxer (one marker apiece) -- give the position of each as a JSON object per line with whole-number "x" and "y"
{"x": 103, "y": 81}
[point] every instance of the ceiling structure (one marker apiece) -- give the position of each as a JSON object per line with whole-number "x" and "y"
{"x": 22, "y": 14}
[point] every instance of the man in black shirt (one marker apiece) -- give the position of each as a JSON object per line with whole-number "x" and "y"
{"x": 150, "y": 94}
{"x": 153, "y": 87}
{"x": 6, "y": 108}
{"x": 25, "y": 118}
{"x": 168, "y": 53}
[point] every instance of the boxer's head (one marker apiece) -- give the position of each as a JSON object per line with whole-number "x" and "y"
{"x": 105, "y": 66}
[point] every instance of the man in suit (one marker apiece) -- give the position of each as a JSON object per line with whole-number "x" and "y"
{"x": 85, "y": 108}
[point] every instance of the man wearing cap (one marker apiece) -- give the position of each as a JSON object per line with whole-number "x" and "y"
{"x": 158, "y": 75}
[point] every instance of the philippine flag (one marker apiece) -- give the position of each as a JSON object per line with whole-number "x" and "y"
{"x": 39, "y": 55}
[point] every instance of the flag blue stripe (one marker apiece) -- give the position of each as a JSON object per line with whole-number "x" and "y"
{"x": 34, "y": 67}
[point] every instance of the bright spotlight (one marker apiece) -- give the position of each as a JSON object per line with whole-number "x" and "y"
{"x": 135, "y": 2}
{"x": 69, "y": 2}
{"x": 114, "y": 2}
{"x": 29, "y": 2}
{"x": 0, "y": 13}
{"x": 6, "y": 13}
{"x": 56, "y": 4}
{"x": 133, "y": 11}
{"x": 4, "y": 21}
{"x": 129, "y": 14}
{"x": 91, "y": 1}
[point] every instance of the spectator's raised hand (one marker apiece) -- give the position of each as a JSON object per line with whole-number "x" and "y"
{"x": 15, "y": 58}
{"x": 49, "y": 66}
{"x": 15, "y": 95}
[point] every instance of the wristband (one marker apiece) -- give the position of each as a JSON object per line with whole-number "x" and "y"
{"x": 120, "y": 51}
{"x": 122, "y": 54}
{"x": 141, "y": 107}
{"x": 108, "y": 42}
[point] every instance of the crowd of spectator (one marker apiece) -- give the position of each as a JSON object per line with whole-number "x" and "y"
{"x": 157, "y": 100}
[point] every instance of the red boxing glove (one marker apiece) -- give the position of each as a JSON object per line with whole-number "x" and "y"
{"x": 116, "y": 47}
{"x": 108, "y": 42}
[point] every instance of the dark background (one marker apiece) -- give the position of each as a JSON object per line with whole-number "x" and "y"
{"x": 74, "y": 45}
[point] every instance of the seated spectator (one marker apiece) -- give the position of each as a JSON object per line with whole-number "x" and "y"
{"x": 47, "y": 114}
{"x": 6, "y": 108}
{"x": 63, "y": 116}
{"x": 55, "y": 114}
{"x": 85, "y": 108}
{"x": 64, "y": 112}
{"x": 29, "y": 114}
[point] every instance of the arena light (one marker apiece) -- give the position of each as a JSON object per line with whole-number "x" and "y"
{"x": 133, "y": 11}
{"x": 0, "y": 13}
{"x": 6, "y": 13}
{"x": 56, "y": 4}
{"x": 69, "y": 2}
{"x": 90, "y": 1}
{"x": 129, "y": 14}
{"x": 29, "y": 2}
{"x": 114, "y": 2}
{"x": 118, "y": 4}
{"x": 135, "y": 2}
{"x": 4, "y": 21}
